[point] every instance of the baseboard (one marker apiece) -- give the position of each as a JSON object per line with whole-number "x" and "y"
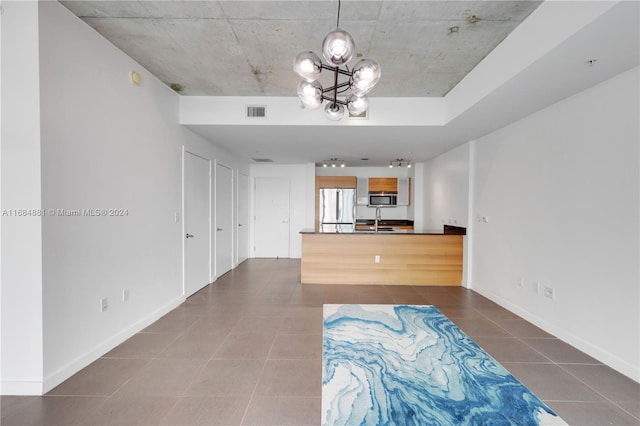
{"x": 62, "y": 374}
{"x": 607, "y": 358}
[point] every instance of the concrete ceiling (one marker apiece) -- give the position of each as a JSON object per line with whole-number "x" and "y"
{"x": 246, "y": 48}
{"x": 425, "y": 48}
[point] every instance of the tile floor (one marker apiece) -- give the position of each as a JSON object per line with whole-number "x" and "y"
{"x": 246, "y": 350}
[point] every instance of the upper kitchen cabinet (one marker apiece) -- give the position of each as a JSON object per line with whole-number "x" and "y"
{"x": 383, "y": 185}
{"x": 336, "y": 182}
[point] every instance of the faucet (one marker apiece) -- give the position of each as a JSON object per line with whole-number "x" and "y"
{"x": 378, "y": 217}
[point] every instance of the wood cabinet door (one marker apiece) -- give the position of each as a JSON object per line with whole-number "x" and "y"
{"x": 383, "y": 185}
{"x": 337, "y": 182}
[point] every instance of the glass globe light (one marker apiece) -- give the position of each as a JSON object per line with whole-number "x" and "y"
{"x": 310, "y": 93}
{"x": 366, "y": 73}
{"x": 307, "y": 65}
{"x": 357, "y": 104}
{"x": 338, "y": 47}
{"x": 333, "y": 111}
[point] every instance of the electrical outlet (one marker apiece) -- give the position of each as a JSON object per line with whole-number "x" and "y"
{"x": 104, "y": 304}
{"x": 537, "y": 287}
{"x": 548, "y": 292}
{"x": 125, "y": 295}
{"x": 377, "y": 258}
{"x": 521, "y": 282}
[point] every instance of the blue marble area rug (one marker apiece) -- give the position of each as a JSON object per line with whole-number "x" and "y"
{"x": 410, "y": 365}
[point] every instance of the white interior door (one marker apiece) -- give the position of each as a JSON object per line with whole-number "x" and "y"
{"x": 197, "y": 231}
{"x": 271, "y": 218}
{"x": 243, "y": 218}
{"x": 224, "y": 219}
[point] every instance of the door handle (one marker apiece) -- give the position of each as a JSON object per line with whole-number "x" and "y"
{"x": 189, "y": 235}
{"x": 218, "y": 229}
{"x": 239, "y": 224}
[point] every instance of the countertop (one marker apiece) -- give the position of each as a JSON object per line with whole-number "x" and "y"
{"x": 385, "y": 222}
{"x": 392, "y": 232}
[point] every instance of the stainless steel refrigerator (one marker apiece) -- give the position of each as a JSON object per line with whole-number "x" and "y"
{"x": 337, "y": 210}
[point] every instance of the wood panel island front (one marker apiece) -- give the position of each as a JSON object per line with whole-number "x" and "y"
{"x": 399, "y": 257}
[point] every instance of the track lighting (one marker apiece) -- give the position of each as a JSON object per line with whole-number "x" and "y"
{"x": 400, "y": 162}
{"x": 333, "y": 162}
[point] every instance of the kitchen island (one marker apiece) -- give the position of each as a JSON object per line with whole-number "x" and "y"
{"x": 391, "y": 257}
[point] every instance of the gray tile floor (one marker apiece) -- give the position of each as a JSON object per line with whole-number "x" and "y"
{"x": 246, "y": 350}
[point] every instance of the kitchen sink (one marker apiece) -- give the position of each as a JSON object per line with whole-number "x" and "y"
{"x": 373, "y": 231}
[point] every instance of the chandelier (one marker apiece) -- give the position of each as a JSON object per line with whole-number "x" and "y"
{"x": 337, "y": 49}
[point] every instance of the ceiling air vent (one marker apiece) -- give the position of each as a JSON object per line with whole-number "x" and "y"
{"x": 262, "y": 160}
{"x": 362, "y": 116}
{"x": 256, "y": 111}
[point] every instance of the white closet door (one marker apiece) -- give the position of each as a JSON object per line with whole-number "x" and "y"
{"x": 271, "y": 220}
{"x": 224, "y": 219}
{"x": 197, "y": 213}
{"x": 243, "y": 218}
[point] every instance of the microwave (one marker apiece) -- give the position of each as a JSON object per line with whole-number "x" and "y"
{"x": 383, "y": 200}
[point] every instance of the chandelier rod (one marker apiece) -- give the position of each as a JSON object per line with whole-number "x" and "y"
{"x": 330, "y": 68}
{"x": 336, "y": 71}
{"x": 339, "y": 86}
{"x": 338, "y": 101}
{"x": 335, "y": 87}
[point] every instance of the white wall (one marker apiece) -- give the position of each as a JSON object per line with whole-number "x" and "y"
{"x": 561, "y": 190}
{"x": 301, "y": 201}
{"x": 105, "y": 144}
{"x": 446, "y": 189}
{"x": 21, "y": 241}
{"x": 445, "y": 194}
